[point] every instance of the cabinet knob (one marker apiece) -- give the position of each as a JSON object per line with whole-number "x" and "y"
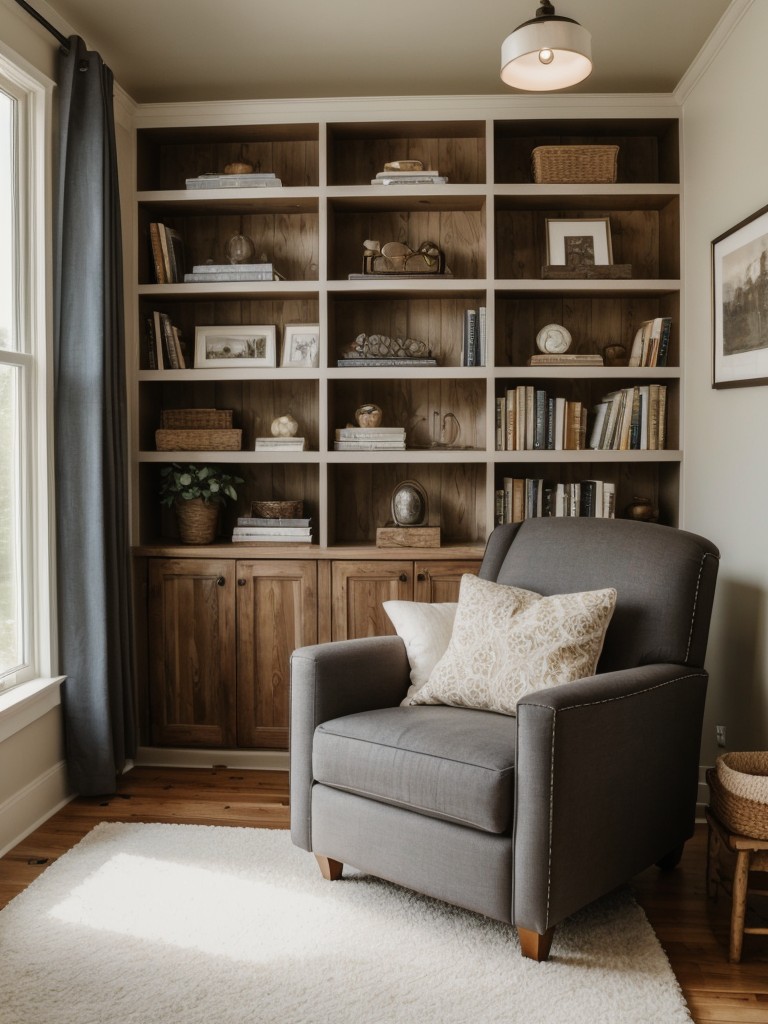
{"x": 421, "y": 576}
{"x": 403, "y": 577}
{"x": 241, "y": 583}
{"x": 221, "y": 582}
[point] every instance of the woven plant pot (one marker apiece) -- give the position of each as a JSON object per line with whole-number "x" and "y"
{"x": 198, "y": 521}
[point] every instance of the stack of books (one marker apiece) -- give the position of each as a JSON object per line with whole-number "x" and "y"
{"x": 204, "y": 273}
{"x": 280, "y": 444}
{"x": 256, "y": 180}
{"x": 423, "y": 177}
{"x": 254, "y": 530}
{"x": 370, "y": 439}
{"x": 567, "y": 359}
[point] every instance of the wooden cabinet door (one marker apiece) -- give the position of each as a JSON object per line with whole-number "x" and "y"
{"x": 358, "y": 590}
{"x": 276, "y": 613}
{"x": 439, "y": 581}
{"x": 192, "y": 662}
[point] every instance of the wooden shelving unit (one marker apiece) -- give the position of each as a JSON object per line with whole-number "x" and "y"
{"x": 490, "y": 222}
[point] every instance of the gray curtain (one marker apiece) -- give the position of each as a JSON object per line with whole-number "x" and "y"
{"x": 93, "y": 557}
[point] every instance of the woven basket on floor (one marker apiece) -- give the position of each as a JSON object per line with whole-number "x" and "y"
{"x": 574, "y": 164}
{"x": 738, "y": 787}
{"x": 277, "y": 509}
{"x": 198, "y": 521}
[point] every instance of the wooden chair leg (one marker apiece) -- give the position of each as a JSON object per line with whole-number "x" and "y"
{"x": 535, "y": 946}
{"x": 330, "y": 869}
{"x": 739, "y": 905}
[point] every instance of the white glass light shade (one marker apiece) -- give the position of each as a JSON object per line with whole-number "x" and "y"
{"x": 571, "y": 46}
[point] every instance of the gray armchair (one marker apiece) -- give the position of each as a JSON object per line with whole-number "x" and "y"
{"x": 525, "y": 819}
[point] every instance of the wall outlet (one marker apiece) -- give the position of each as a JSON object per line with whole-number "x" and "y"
{"x": 720, "y": 735}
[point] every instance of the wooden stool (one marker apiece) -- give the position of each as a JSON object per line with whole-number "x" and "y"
{"x": 751, "y": 855}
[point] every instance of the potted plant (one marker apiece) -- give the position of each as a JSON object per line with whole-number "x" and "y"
{"x": 197, "y": 492}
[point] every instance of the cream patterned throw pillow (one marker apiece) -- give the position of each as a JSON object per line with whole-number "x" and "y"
{"x": 426, "y": 632}
{"x": 508, "y": 642}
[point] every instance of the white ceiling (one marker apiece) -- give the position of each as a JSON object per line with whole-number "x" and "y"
{"x": 164, "y": 50}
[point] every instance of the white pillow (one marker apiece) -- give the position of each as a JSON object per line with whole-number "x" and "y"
{"x": 426, "y": 631}
{"x": 508, "y": 642}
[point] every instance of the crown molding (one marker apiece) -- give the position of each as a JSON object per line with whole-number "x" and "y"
{"x": 709, "y": 51}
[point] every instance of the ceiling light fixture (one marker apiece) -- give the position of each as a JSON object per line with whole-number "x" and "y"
{"x": 548, "y": 52}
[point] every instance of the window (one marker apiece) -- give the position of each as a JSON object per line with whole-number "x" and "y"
{"x": 24, "y": 585}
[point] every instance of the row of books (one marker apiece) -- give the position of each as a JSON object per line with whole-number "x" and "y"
{"x": 369, "y": 439}
{"x": 167, "y": 253}
{"x": 650, "y": 346}
{"x": 165, "y": 348}
{"x": 630, "y": 419}
{"x": 527, "y": 498}
{"x": 528, "y": 419}
{"x": 473, "y": 337}
{"x": 254, "y": 530}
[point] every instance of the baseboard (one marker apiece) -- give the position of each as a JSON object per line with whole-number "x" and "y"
{"x": 253, "y": 760}
{"x": 33, "y": 805}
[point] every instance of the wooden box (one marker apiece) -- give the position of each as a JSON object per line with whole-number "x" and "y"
{"x": 408, "y": 537}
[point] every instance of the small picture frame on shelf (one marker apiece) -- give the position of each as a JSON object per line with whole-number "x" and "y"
{"x": 740, "y": 304}
{"x": 243, "y": 346}
{"x": 567, "y": 240}
{"x": 301, "y": 345}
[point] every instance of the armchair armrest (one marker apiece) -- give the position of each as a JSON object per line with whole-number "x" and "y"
{"x": 606, "y": 782}
{"x": 328, "y": 681}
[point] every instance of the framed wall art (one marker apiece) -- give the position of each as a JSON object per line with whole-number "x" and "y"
{"x": 594, "y": 237}
{"x": 301, "y": 345}
{"x": 740, "y": 304}
{"x": 241, "y": 346}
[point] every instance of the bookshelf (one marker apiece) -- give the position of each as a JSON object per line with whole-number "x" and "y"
{"x": 490, "y": 221}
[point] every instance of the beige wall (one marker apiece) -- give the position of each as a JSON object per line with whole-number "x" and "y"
{"x": 725, "y": 143}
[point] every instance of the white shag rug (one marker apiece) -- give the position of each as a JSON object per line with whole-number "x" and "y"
{"x": 196, "y": 924}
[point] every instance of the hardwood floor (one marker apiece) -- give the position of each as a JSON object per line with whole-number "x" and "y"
{"x": 692, "y": 929}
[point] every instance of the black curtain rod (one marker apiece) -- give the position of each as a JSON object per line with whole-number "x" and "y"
{"x": 46, "y": 24}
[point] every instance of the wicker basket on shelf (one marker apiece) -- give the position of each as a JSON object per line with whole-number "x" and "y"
{"x": 556, "y": 165}
{"x": 738, "y": 786}
{"x": 277, "y": 509}
{"x": 195, "y": 419}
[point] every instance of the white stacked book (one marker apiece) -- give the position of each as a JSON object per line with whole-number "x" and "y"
{"x": 280, "y": 444}
{"x": 207, "y": 272}
{"x": 252, "y": 529}
{"x": 409, "y": 178}
{"x": 256, "y": 180}
{"x": 370, "y": 439}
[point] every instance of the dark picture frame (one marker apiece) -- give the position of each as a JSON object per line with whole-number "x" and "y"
{"x": 740, "y": 304}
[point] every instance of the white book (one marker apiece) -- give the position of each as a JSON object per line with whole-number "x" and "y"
{"x": 369, "y": 446}
{"x": 272, "y": 531}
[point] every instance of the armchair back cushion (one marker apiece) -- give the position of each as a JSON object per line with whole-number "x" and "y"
{"x": 662, "y": 577}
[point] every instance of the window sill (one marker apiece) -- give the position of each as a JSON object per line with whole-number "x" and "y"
{"x": 27, "y": 702}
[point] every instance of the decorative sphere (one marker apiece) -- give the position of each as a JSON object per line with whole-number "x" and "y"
{"x": 408, "y": 507}
{"x": 284, "y": 426}
{"x": 368, "y": 416}
{"x": 554, "y": 339}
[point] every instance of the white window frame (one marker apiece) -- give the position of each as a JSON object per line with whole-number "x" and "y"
{"x": 34, "y": 689}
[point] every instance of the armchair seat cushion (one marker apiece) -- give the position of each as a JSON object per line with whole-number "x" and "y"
{"x": 449, "y": 763}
